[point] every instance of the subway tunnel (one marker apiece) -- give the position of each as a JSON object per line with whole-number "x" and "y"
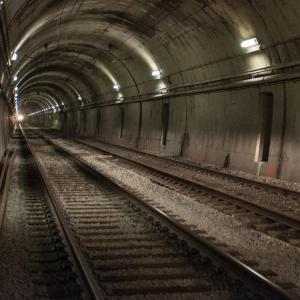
{"x": 150, "y": 149}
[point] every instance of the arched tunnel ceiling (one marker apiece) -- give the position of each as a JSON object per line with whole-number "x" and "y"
{"x": 79, "y": 49}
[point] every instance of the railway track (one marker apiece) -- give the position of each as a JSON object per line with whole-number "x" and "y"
{"x": 206, "y": 171}
{"x": 270, "y": 221}
{"x": 235, "y": 185}
{"x": 53, "y": 261}
{"x": 136, "y": 250}
{"x": 49, "y": 267}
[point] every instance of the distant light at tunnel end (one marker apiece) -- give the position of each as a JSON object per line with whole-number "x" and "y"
{"x": 20, "y": 118}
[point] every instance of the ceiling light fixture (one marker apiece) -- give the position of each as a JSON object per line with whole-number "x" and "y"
{"x": 14, "y": 57}
{"x": 156, "y": 73}
{"x": 116, "y": 87}
{"x": 251, "y": 45}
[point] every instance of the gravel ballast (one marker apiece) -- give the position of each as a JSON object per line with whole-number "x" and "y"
{"x": 270, "y": 253}
{"x": 270, "y": 198}
{"x": 111, "y": 206}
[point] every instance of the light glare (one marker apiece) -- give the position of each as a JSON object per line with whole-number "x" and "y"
{"x": 116, "y": 87}
{"x": 249, "y": 43}
{"x": 14, "y": 57}
{"x": 20, "y": 118}
{"x": 156, "y": 73}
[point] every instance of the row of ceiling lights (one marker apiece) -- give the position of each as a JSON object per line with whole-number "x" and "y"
{"x": 54, "y": 108}
{"x": 251, "y": 45}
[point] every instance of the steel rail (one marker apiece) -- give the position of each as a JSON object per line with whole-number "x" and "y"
{"x": 235, "y": 267}
{"x": 87, "y": 282}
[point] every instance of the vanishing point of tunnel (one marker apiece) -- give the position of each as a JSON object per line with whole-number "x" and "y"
{"x": 149, "y": 149}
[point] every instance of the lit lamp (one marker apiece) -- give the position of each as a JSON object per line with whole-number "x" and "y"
{"x": 116, "y": 87}
{"x": 14, "y": 57}
{"x": 251, "y": 45}
{"x": 20, "y": 118}
{"x": 156, "y": 74}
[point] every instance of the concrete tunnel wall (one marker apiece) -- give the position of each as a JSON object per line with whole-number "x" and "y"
{"x": 203, "y": 128}
{"x": 5, "y": 126}
{"x": 91, "y": 53}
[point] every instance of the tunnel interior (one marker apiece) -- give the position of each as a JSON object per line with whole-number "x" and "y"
{"x": 184, "y": 78}
{"x": 211, "y": 84}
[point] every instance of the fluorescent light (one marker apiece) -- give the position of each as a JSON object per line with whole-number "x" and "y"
{"x": 14, "y": 57}
{"x": 249, "y": 43}
{"x": 16, "y": 78}
{"x": 79, "y": 98}
{"x": 16, "y": 88}
{"x": 156, "y": 73}
{"x": 116, "y": 87}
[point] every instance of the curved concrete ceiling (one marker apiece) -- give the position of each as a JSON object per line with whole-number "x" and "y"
{"x": 82, "y": 48}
